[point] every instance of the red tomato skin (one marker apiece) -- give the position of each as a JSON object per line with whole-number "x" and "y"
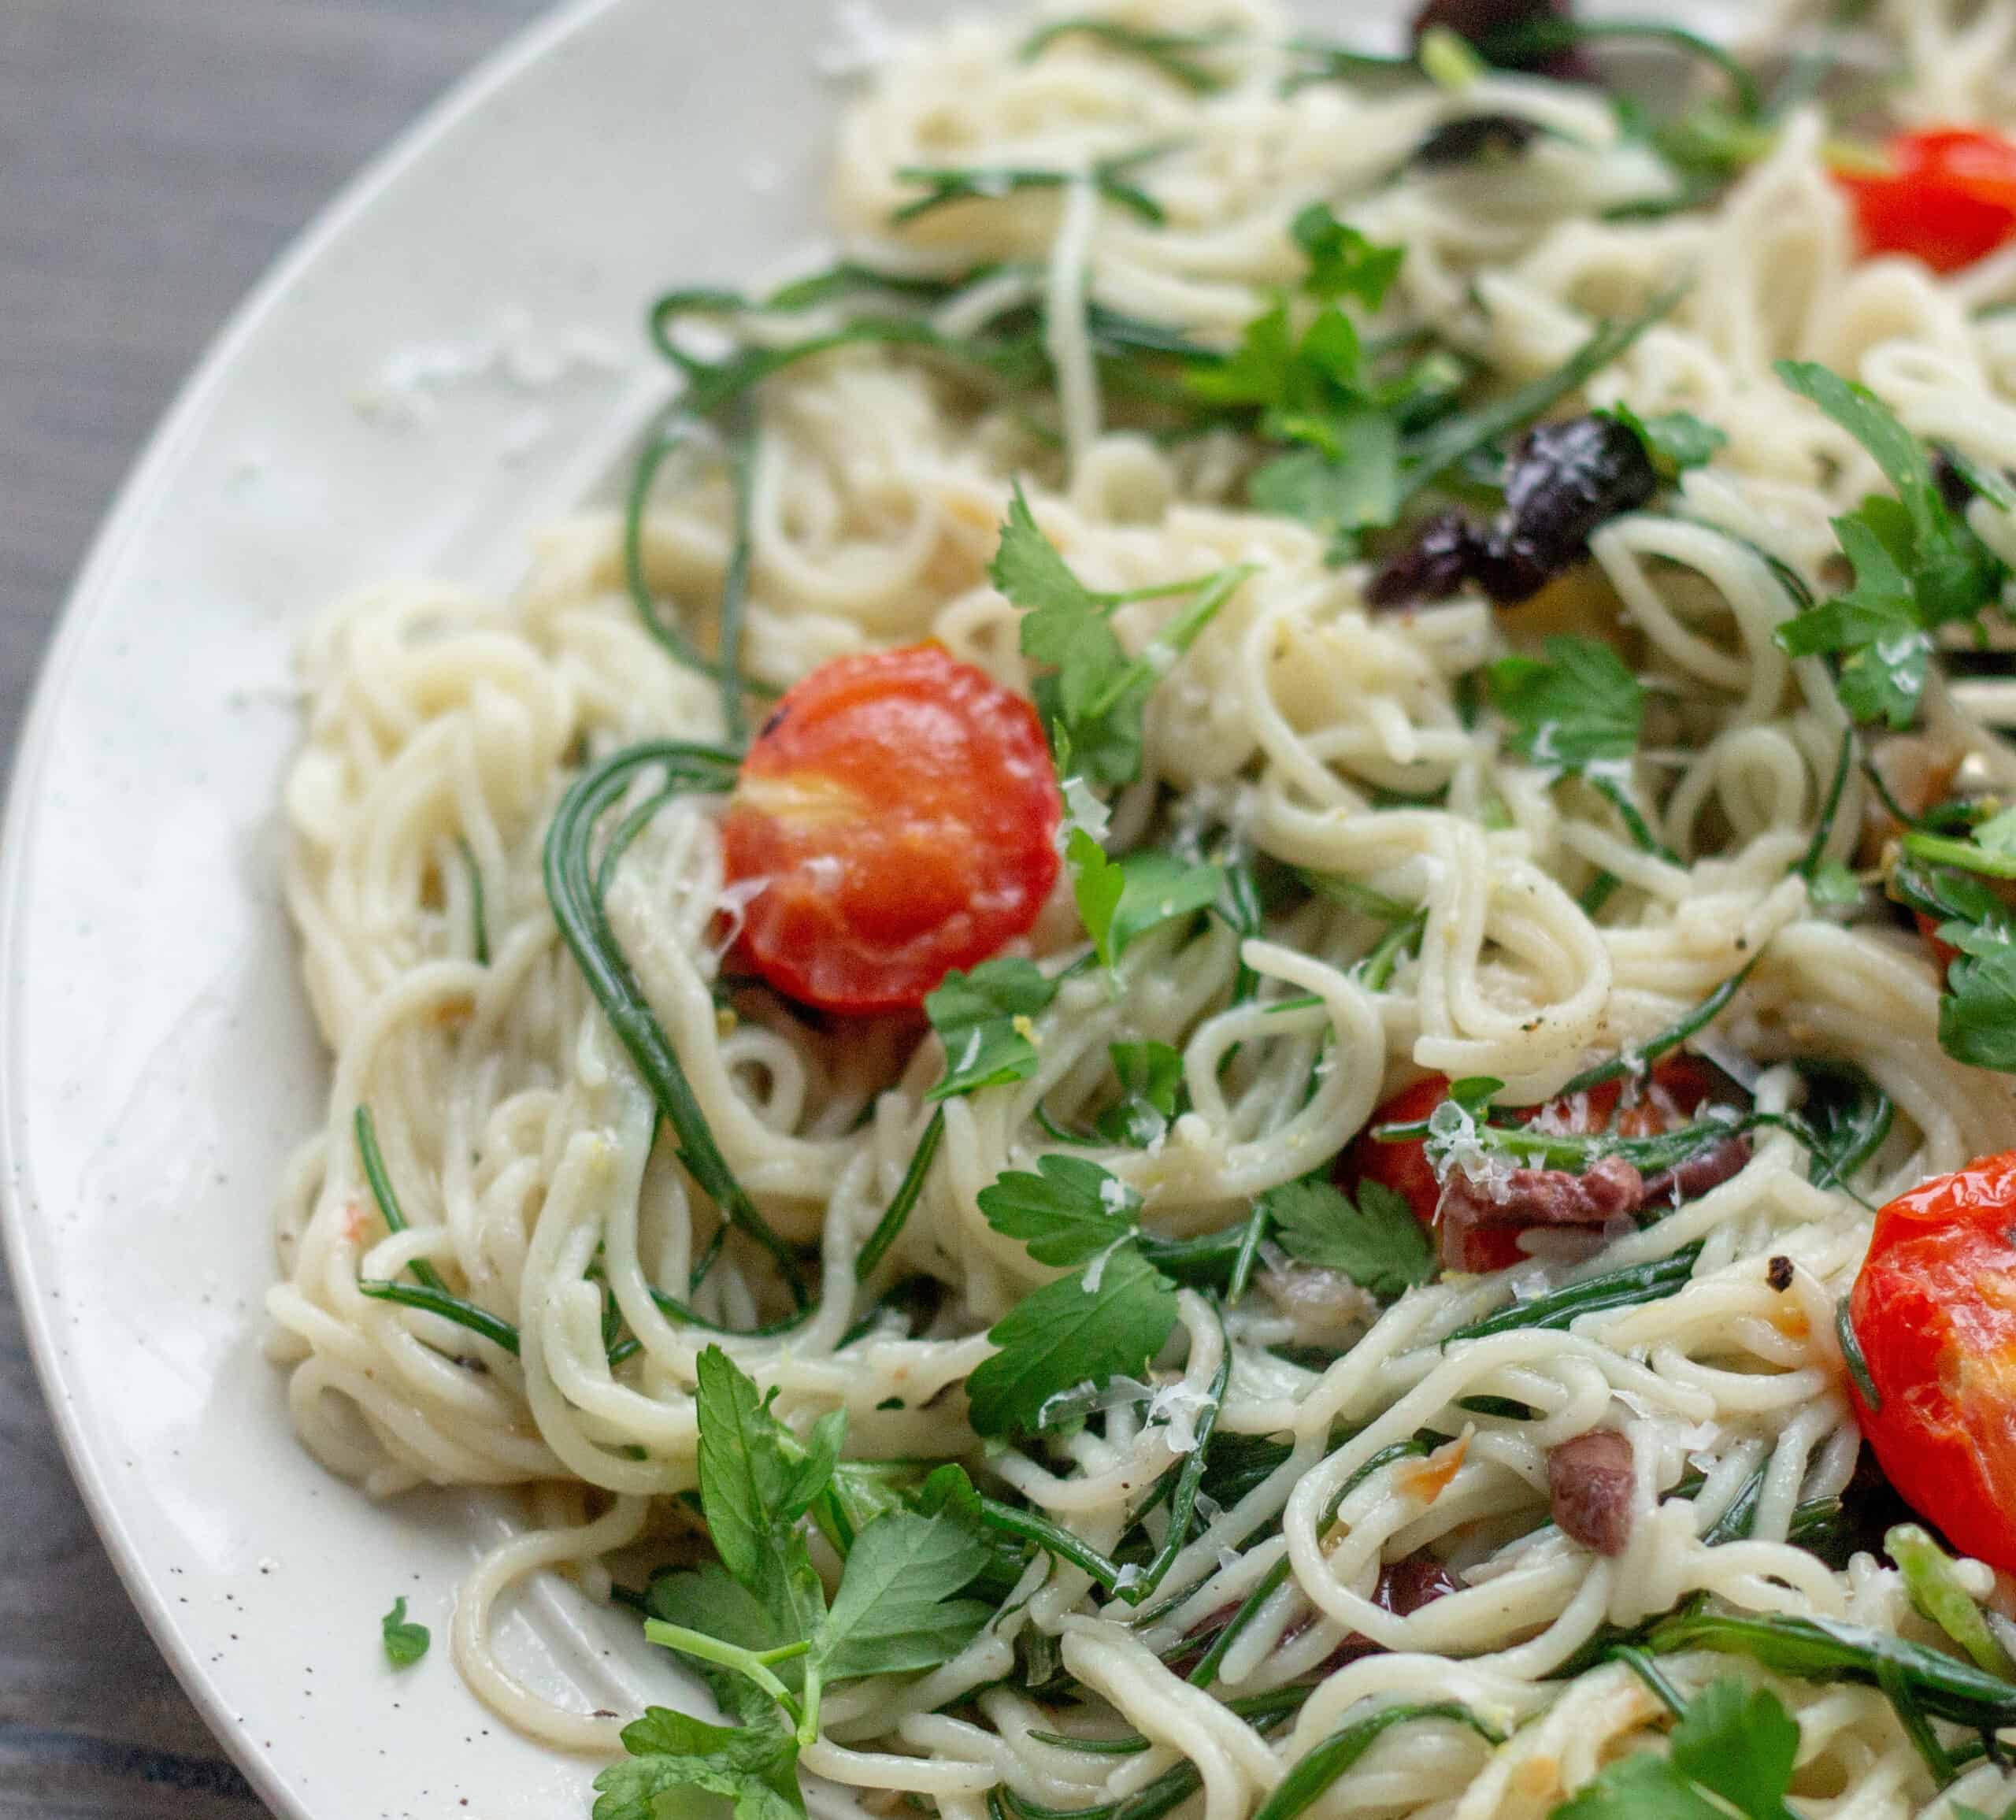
{"x": 898, "y": 812}
{"x": 1679, "y": 1083}
{"x": 1934, "y": 1312}
{"x": 1943, "y": 954}
{"x": 1402, "y": 1167}
{"x": 1949, "y": 197}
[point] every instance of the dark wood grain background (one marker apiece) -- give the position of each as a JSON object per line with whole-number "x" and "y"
{"x": 155, "y": 155}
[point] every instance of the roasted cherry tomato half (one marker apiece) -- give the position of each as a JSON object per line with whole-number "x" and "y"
{"x": 896, "y": 817}
{"x": 1678, "y": 1086}
{"x": 1948, "y": 195}
{"x": 1934, "y": 1315}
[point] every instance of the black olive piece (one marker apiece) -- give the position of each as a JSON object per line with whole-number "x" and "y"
{"x": 1443, "y": 555}
{"x": 1479, "y": 20}
{"x": 1485, "y": 138}
{"x": 1565, "y": 480}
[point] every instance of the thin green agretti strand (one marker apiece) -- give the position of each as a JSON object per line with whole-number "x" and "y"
{"x": 905, "y": 1200}
{"x": 570, "y": 887}
{"x": 1676, "y": 1033}
{"x": 450, "y": 1307}
{"x": 380, "y": 1182}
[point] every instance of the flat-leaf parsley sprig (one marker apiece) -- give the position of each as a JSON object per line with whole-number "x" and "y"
{"x": 1918, "y": 565}
{"x": 757, "y": 1625}
{"x": 1579, "y": 711}
{"x": 1089, "y": 691}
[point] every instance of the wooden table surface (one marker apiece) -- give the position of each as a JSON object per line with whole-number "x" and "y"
{"x": 155, "y": 155}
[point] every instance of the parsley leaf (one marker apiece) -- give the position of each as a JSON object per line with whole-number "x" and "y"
{"x": 1736, "y": 1742}
{"x": 1027, "y": 568}
{"x": 1270, "y": 367}
{"x": 1640, "y": 1787}
{"x": 1151, "y": 1083}
{"x": 1067, "y": 1212}
{"x": 1093, "y": 696}
{"x": 709, "y": 1601}
{"x": 1918, "y": 564}
{"x": 1676, "y": 440}
{"x": 1885, "y": 650}
{"x": 1378, "y": 1243}
{"x": 1119, "y": 899}
{"x": 896, "y": 1612}
{"x": 1579, "y": 707}
{"x": 1990, "y": 482}
{"x": 1978, "y": 1010}
{"x": 1112, "y": 1318}
{"x": 756, "y": 1766}
{"x": 756, "y": 1478}
{"x": 1342, "y": 261}
{"x": 1739, "y": 1742}
{"x": 1954, "y": 575}
{"x": 405, "y": 1643}
{"x": 1977, "y": 1015}
{"x": 983, "y": 1019}
{"x": 1353, "y": 485}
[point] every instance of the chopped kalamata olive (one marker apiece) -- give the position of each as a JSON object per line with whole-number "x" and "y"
{"x": 1445, "y": 552}
{"x": 1405, "y": 1585}
{"x": 1522, "y": 1198}
{"x": 1563, "y": 481}
{"x": 1484, "y": 139}
{"x": 1480, "y": 21}
{"x": 1590, "y": 1482}
{"x": 1705, "y": 1169}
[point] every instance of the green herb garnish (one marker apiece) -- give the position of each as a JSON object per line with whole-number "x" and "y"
{"x": 1733, "y": 1751}
{"x": 1121, "y": 900}
{"x": 1675, "y": 440}
{"x": 983, "y": 1018}
{"x": 1110, "y": 1317}
{"x": 1377, "y": 1243}
{"x": 1579, "y": 712}
{"x": 1092, "y": 693}
{"x": 758, "y": 1626}
{"x": 1917, "y": 567}
{"x": 404, "y": 1642}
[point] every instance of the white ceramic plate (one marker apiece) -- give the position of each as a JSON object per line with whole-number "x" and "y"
{"x": 451, "y": 356}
